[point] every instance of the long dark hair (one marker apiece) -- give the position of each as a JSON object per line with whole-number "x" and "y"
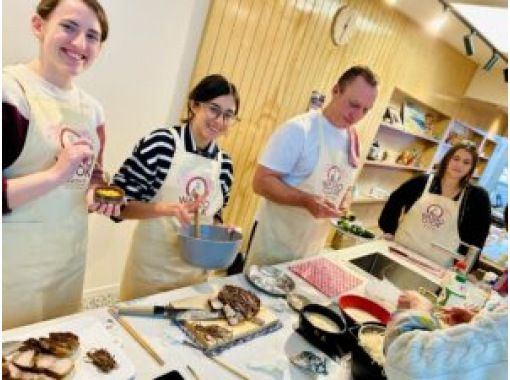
{"x": 208, "y": 88}
{"x": 468, "y": 147}
{"x": 46, "y": 7}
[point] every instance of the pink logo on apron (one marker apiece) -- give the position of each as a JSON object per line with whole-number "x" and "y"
{"x": 333, "y": 185}
{"x": 83, "y": 172}
{"x": 197, "y": 186}
{"x": 433, "y": 218}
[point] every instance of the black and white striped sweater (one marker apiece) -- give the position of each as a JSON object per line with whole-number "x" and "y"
{"x": 143, "y": 173}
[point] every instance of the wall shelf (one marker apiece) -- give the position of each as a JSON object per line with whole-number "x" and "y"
{"x": 406, "y": 132}
{"x": 395, "y": 166}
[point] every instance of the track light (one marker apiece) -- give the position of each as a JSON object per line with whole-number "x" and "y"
{"x": 492, "y": 61}
{"x": 468, "y": 43}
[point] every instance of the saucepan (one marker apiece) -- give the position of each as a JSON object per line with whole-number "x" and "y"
{"x": 325, "y": 329}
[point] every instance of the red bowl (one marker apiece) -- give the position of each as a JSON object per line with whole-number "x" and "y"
{"x": 354, "y": 301}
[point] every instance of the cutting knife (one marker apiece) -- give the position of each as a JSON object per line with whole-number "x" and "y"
{"x": 175, "y": 313}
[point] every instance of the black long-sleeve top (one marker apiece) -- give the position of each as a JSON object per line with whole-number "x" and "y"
{"x": 474, "y": 214}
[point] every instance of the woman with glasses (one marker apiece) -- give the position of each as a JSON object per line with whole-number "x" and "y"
{"x": 171, "y": 173}
{"x": 442, "y": 208}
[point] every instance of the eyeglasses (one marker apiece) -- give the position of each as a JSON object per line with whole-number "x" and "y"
{"x": 214, "y": 111}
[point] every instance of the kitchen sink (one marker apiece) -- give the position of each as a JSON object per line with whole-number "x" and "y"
{"x": 381, "y": 266}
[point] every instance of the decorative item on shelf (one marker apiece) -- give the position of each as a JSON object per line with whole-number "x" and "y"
{"x": 417, "y": 159}
{"x": 387, "y": 118}
{"x": 392, "y": 117}
{"x": 414, "y": 118}
{"x": 429, "y": 123}
{"x": 373, "y": 152}
{"x": 378, "y": 192}
{"x": 316, "y": 101}
{"x": 407, "y": 157}
{"x": 454, "y": 138}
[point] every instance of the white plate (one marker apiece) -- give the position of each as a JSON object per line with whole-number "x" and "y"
{"x": 334, "y": 222}
{"x": 92, "y": 335}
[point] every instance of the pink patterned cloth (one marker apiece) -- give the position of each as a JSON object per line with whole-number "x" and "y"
{"x": 325, "y": 276}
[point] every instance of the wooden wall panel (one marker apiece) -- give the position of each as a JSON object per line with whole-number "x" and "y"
{"x": 278, "y": 51}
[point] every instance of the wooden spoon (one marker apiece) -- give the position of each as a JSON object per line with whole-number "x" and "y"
{"x": 196, "y": 218}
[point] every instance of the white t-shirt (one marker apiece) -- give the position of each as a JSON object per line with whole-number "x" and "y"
{"x": 293, "y": 149}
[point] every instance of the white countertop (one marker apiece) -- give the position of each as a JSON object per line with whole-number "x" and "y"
{"x": 272, "y": 349}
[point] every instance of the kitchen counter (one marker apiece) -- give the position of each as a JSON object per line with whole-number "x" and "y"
{"x": 269, "y": 350}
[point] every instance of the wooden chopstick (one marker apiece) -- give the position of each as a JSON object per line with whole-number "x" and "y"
{"x": 227, "y": 367}
{"x": 140, "y": 340}
{"x": 192, "y": 371}
{"x": 218, "y": 361}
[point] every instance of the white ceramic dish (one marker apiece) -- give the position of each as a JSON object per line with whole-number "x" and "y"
{"x": 92, "y": 335}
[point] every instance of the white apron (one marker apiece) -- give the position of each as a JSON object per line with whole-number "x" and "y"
{"x": 154, "y": 264}
{"x": 45, "y": 240}
{"x": 432, "y": 219}
{"x": 284, "y": 233}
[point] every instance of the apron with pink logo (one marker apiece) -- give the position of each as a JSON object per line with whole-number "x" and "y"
{"x": 45, "y": 240}
{"x": 432, "y": 219}
{"x": 154, "y": 263}
{"x": 286, "y": 233}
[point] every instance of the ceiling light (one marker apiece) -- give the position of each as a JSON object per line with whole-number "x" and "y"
{"x": 468, "y": 43}
{"x": 437, "y": 23}
{"x": 492, "y": 61}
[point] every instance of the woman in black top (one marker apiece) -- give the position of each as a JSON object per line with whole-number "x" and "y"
{"x": 450, "y": 211}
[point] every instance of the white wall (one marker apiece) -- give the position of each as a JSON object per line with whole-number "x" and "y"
{"x": 141, "y": 78}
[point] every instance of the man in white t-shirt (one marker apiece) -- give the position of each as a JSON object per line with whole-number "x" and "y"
{"x": 305, "y": 174}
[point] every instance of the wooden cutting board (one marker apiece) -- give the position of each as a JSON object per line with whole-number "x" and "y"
{"x": 242, "y": 330}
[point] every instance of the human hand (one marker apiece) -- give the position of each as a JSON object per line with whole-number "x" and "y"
{"x": 231, "y": 229}
{"x": 70, "y": 157}
{"x": 322, "y": 208}
{"x": 456, "y": 315}
{"x": 182, "y": 211}
{"x": 346, "y": 203}
{"x": 104, "y": 208}
{"x": 411, "y": 299}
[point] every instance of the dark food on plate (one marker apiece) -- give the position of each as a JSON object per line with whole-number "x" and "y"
{"x": 43, "y": 358}
{"x": 355, "y": 229}
{"x": 102, "y": 359}
{"x": 210, "y": 334}
{"x": 238, "y": 304}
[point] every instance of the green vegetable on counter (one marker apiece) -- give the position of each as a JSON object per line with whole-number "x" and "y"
{"x": 354, "y": 229}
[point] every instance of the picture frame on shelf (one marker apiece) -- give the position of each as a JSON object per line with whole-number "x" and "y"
{"x": 413, "y": 118}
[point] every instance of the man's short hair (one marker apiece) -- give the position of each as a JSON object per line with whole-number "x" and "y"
{"x": 355, "y": 71}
